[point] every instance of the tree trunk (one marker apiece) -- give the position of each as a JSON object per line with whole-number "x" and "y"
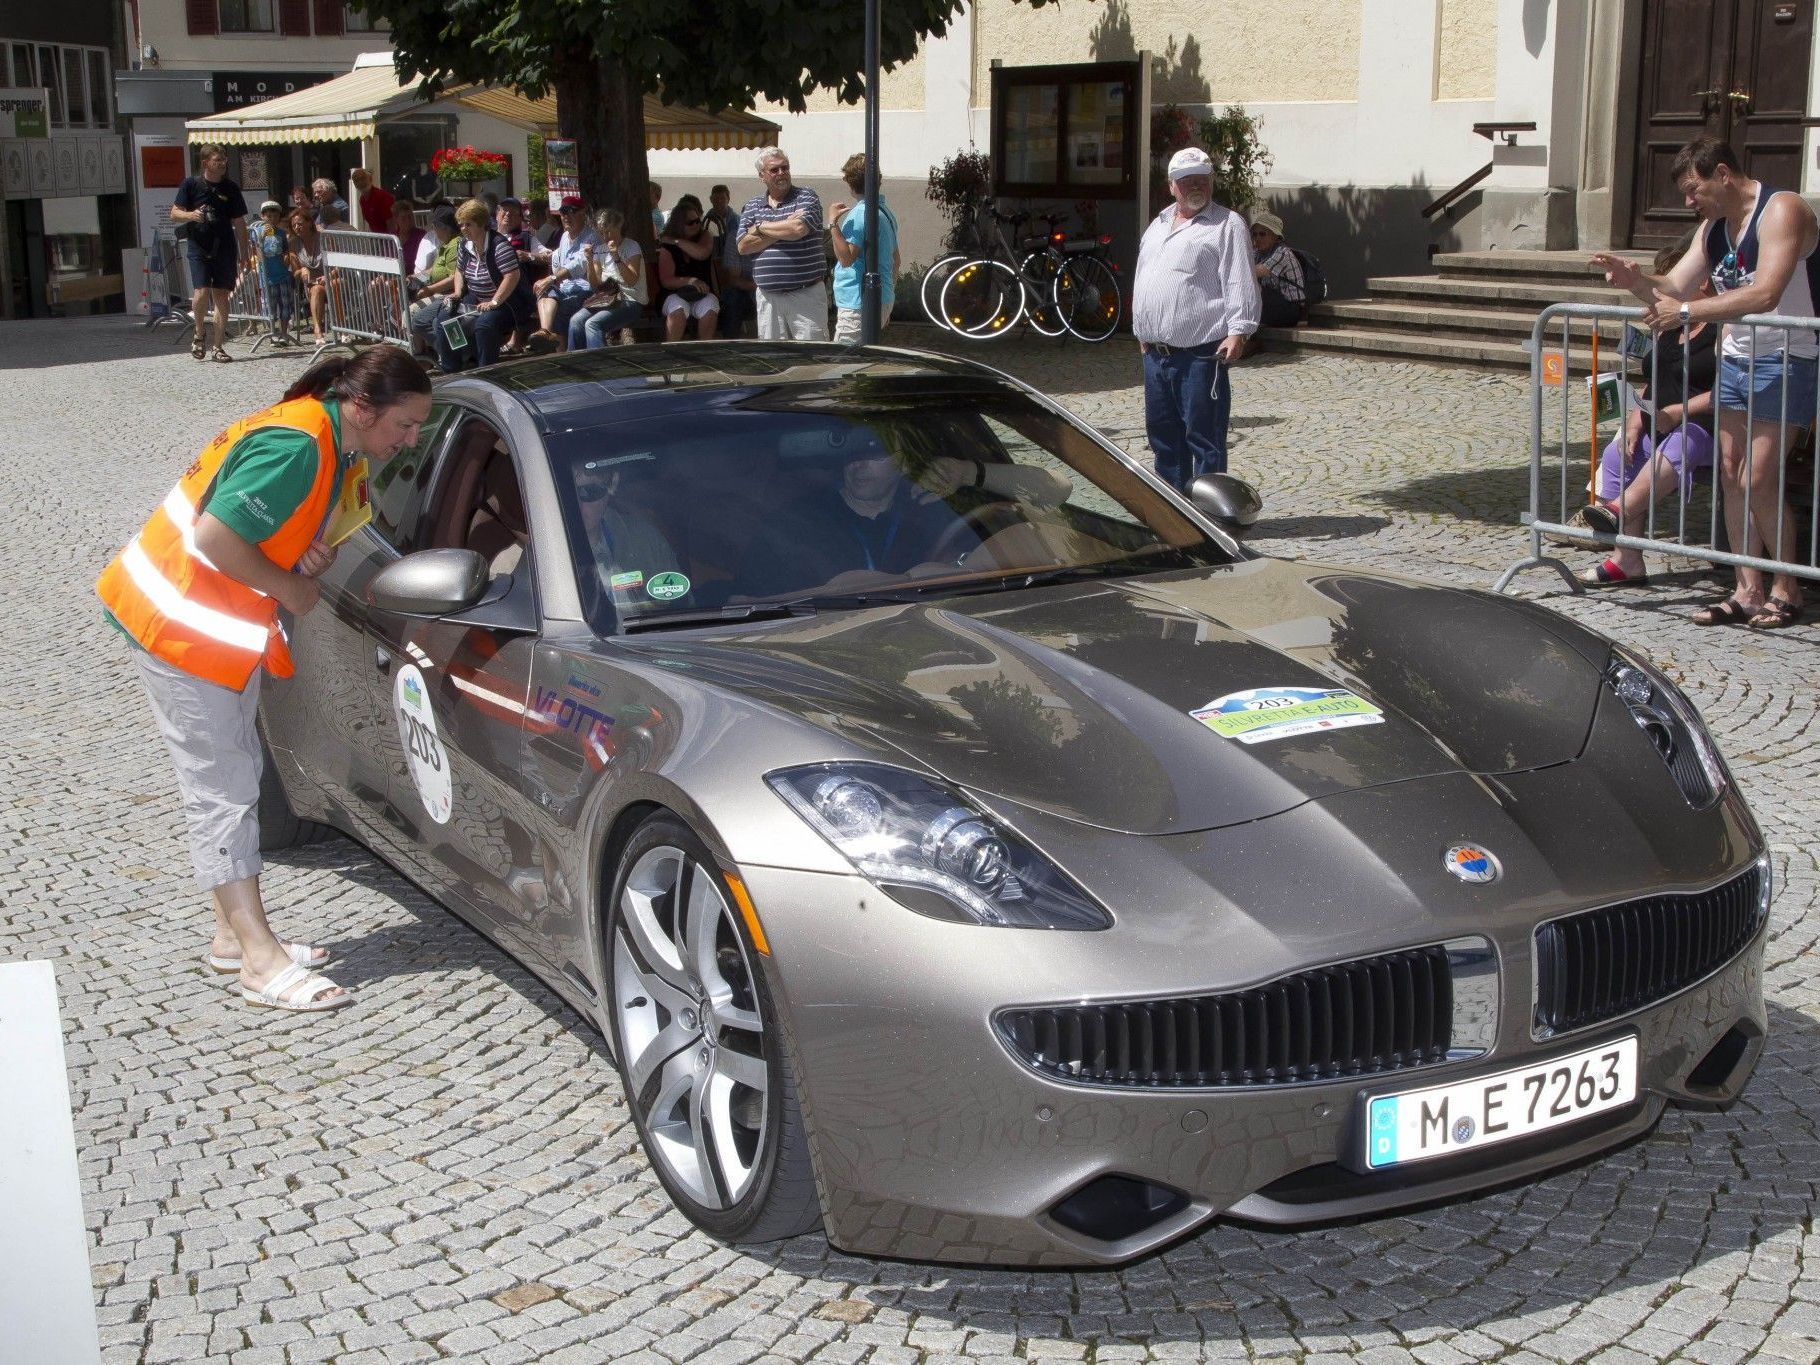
{"x": 599, "y": 103}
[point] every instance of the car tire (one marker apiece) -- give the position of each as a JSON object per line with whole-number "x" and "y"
{"x": 279, "y": 825}
{"x": 690, "y": 1044}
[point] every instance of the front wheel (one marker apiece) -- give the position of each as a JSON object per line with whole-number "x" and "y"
{"x": 933, "y": 280}
{"x": 1087, "y": 296}
{"x": 983, "y": 299}
{"x": 700, "y": 1050}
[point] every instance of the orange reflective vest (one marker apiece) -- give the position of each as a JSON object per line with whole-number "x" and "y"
{"x": 179, "y": 606}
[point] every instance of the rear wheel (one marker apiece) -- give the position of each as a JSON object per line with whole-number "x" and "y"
{"x": 983, "y": 299}
{"x": 1039, "y": 271}
{"x": 707, "y": 1075}
{"x": 1087, "y": 294}
{"x": 279, "y": 825}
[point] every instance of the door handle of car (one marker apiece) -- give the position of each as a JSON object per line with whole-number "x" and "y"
{"x": 382, "y": 660}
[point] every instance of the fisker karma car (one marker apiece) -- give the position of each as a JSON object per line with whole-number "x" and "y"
{"x": 966, "y": 845}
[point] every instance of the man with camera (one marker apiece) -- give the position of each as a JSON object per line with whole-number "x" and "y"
{"x": 210, "y": 213}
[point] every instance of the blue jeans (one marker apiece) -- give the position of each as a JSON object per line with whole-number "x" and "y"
{"x": 486, "y": 332}
{"x": 588, "y": 330}
{"x": 1187, "y": 403}
{"x": 1776, "y": 378}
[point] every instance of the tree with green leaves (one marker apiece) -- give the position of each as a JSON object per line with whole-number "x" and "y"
{"x": 601, "y": 57}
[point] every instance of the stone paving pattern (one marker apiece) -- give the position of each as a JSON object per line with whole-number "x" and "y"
{"x": 447, "y": 1171}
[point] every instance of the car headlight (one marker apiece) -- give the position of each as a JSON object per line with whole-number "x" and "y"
{"x": 1664, "y": 713}
{"x": 932, "y": 850}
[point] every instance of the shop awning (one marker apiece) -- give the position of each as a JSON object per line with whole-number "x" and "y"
{"x": 350, "y": 108}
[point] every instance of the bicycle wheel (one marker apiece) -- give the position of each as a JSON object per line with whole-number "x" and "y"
{"x": 983, "y": 299}
{"x": 1039, "y": 272}
{"x": 1087, "y": 296}
{"x": 933, "y": 280}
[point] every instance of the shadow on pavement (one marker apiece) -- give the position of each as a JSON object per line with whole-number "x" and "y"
{"x": 1314, "y": 528}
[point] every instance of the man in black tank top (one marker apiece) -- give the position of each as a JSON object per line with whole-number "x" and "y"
{"x": 1758, "y": 247}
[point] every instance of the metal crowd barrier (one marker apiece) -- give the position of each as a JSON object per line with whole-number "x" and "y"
{"x": 167, "y": 282}
{"x": 1739, "y": 540}
{"x": 364, "y": 274}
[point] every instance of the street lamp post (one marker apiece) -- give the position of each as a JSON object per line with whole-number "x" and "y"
{"x": 871, "y": 292}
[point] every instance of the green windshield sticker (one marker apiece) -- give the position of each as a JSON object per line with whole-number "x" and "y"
{"x": 667, "y": 587}
{"x": 625, "y": 582}
{"x": 1260, "y": 714}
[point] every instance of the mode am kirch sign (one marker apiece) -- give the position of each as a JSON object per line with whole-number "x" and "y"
{"x": 25, "y": 113}
{"x": 238, "y": 89}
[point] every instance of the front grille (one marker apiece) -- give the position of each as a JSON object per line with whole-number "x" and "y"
{"x": 1604, "y": 963}
{"x": 1353, "y": 1019}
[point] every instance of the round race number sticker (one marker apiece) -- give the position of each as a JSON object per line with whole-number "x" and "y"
{"x": 428, "y": 760}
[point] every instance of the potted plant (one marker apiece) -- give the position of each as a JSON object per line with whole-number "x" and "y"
{"x": 957, "y": 187}
{"x": 468, "y": 166}
{"x": 1230, "y": 138}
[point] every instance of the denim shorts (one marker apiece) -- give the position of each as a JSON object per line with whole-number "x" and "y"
{"x": 1763, "y": 388}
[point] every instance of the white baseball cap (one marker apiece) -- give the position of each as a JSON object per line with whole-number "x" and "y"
{"x": 1190, "y": 161}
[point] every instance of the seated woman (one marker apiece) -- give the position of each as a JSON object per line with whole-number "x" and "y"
{"x": 615, "y": 270}
{"x": 488, "y": 287}
{"x": 1636, "y": 470}
{"x": 687, "y": 280}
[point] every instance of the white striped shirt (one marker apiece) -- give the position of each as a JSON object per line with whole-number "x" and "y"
{"x": 1194, "y": 284}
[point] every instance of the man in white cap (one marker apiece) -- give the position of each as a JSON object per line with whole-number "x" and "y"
{"x": 1193, "y": 303}
{"x": 1280, "y": 280}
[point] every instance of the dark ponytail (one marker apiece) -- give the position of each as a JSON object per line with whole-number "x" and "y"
{"x": 378, "y": 376}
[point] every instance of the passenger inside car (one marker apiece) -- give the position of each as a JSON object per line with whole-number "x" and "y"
{"x": 616, "y": 494}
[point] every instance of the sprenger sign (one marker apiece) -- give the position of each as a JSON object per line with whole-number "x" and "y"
{"x": 25, "y": 113}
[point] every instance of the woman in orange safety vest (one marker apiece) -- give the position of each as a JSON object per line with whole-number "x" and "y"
{"x": 203, "y": 592}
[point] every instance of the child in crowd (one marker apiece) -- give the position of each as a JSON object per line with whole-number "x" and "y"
{"x": 273, "y": 243}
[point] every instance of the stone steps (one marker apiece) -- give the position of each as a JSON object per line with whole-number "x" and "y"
{"x": 1477, "y": 309}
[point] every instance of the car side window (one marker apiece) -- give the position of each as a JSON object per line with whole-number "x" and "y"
{"x": 398, "y": 488}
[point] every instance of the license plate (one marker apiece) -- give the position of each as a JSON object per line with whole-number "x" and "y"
{"x": 1418, "y": 1125}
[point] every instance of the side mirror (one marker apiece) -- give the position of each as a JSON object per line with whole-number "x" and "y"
{"x": 1230, "y": 501}
{"x": 430, "y": 583}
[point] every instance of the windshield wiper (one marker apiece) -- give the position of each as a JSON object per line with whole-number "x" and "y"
{"x": 745, "y": 611}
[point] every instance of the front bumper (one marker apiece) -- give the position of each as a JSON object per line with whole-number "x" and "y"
{"x": 931, "y": 1141}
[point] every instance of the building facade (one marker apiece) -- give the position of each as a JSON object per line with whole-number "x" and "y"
{"x": 1374, "y": 110}
{"x": 199, "y": 57}
{"x": 62, "y": 160}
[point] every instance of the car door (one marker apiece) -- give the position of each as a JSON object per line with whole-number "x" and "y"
{"x": 458, "y": 693}
{"x": 330, "y": 723}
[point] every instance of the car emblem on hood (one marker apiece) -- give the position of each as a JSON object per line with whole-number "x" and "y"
{"x": 1470, "y": 863}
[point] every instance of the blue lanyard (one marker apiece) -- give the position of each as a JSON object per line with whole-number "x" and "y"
{"x": 865, "y": 543}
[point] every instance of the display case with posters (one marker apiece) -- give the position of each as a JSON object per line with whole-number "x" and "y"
{"x": 1066, "y": 131}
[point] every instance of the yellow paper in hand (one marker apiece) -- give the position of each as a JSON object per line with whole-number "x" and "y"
{"x": 354, "y": 510}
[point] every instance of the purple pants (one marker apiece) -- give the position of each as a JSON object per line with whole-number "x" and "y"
{"x": 1686, "y": 449}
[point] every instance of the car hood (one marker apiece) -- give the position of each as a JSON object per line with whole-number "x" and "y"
{"x": 1077, "y": 699}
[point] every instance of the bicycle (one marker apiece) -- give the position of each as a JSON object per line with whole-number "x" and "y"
{"x": 966, "y": 242}
{"x": 1061, "y": 284}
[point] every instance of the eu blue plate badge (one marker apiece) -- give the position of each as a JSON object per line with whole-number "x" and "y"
{"x": 1261, "y": 714}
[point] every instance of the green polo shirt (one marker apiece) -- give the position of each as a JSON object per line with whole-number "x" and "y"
{"x": 265, "y": 478}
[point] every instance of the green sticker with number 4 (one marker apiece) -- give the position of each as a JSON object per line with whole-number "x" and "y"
{"x": 666, "y": 587}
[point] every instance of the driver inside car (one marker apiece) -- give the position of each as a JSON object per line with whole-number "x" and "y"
{"x": 879, "y": 519}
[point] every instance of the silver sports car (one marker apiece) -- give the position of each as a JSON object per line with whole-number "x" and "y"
{"x": 968, "y": 846}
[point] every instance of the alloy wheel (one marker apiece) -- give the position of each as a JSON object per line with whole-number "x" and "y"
{"x": 690, "y": 1027}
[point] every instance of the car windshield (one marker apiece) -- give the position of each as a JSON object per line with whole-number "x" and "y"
{"x": 815, "y": 498}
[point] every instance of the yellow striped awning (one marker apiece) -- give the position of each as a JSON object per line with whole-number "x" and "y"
{"x": 350, "y": 107}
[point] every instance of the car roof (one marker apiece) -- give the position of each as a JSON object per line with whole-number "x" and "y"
{"x": 591, "y": 388}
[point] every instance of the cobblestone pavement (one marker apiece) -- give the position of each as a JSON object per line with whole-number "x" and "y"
{"x": 447, "y": 1171}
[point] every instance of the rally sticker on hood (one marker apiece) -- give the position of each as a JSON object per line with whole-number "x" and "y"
{"x": 1260, "y": 714}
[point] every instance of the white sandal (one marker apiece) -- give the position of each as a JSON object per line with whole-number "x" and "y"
{"x": 296, "y": 988}
{"x": 302, "y": 954}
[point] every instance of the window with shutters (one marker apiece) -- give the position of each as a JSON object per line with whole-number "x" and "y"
{"x": 246, "y": 16}
{"x": 355, "y": 21}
